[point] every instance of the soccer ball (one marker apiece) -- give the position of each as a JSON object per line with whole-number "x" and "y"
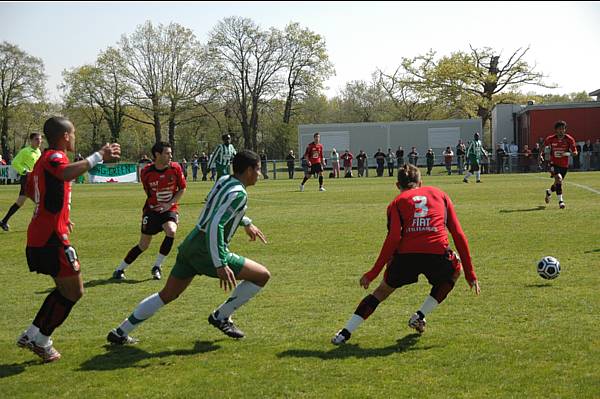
{"x": 548, "y": 267}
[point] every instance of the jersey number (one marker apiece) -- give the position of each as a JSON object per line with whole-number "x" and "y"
{"x": 421, "y": 209}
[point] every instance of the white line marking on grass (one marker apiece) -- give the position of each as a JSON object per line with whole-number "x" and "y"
{"x": 593, "y": 190}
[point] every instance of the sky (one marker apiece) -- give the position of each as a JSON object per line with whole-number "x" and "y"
{"x": 564, "y": 38}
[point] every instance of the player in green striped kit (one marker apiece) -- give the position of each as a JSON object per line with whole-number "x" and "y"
{"x": 474, "y": 154}
{"x": 205, "y": 251}
{"x": 222, "y": 156}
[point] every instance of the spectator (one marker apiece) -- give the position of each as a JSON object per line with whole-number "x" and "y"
{"x": 525, "y": 159}
{"x": 587, "y": 154}
{"x": 460, "y": 156}
{"x": 380, "y": 159}
{"x": 144, "y": 159}
{"x": 400, "y": 156}
{"x": 2, "y": 161}
{"x": 347, "y": 157}
{"x": 513, "y": 151}
{"x": 390, "y": 157}
{"x": 360, "y": 160}
{"x": 335, "y": 163}
{"x": 500, "y": 155}
{"x": 448, "y": 156}
{"x": 413, "y": 156}
{"x": 535, "y": 154}
{"x": 195, "y": 166}
{"x": 290, "y": 159}
{"x": 430, "y": 156}
{"x": 204, "y": 165}
{"x": 577, "y": 158}
{"x": 263, "y": 165}
{"x": 184, "y": 165}
{"x": 596, "y": 154}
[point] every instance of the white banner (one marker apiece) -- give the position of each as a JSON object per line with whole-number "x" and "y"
{"x": 118, "y": 173}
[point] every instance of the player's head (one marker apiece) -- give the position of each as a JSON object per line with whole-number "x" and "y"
{"x": 226, "y": 138}
{"x": 35, "y": 140}
{"x": 246, "y": 167}
{"x": 162, "y": 153}
{"x": 408, "y": 177}
{"x": 60, "y": 133}
{"x": 316, "y": 137}
{"x": 476, "y": 136}
{"x": 560, "y": 127}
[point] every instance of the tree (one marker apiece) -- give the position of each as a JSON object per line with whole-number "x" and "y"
{"x": 247, "y": 60}
{"x": 306, "y": 65}
{"x": 22, "y": 80}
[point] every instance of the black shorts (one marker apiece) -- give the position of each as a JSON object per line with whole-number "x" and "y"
{"x": 404, "y": 269}
{"x": 554, "y": 170}
{"x": 55, "y": 261}
{"x": 474, "y": 166}
{"x": 316, "y": 168}
{"x": 152, "y": 222}
{"x": 23, "y": 182}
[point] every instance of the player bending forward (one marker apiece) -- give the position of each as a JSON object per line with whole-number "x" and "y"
{"x": 205, "y": 251}
{"x": 416, "y": 243}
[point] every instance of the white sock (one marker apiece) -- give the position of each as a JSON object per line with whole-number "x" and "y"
{"x": 469, "y": 174}
{"x": 32, "y": 331}
{"x": 560, "y": 198}
{"x": 240, "y": 295}
{"x": 42, "y": 340}
{"x": 123, "y": 265}
{"x": 142, "y": 312}
{"x": 354, "y": 322}
{"x": 478, "y": 175}
{"x": 159, "y": 260}
{"x": 428, "y": 305}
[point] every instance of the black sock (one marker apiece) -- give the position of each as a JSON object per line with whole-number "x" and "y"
{"x": 304, "y": 180}
{"x": 559, "y": 189}
{"x": 14, "y": 208}
{"x": 320, "y": 181}
{"x": 53, "y": 313}
{"x": 367, "y": 306}
{"x": 166, "y": 245}
{"x": 133, "y": 254}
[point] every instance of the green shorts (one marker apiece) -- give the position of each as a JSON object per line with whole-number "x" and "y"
{"x": 222, "y": 170}
{"x": 194, "y": 259}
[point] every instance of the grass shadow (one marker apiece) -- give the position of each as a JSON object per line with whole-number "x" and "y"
{"x": 119, "y": 357}
{"x": 100, "y": 282}
{"x": 353, "y": 350}
{"x": 592, "y": 251}
{"x": 8, "y": 370}
{"x": 538, "y": 285}
{"x": 537, "y": 208}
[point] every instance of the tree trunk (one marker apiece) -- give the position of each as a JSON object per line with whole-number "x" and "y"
{"x": 254, "y": 124}
{"x": 4, "y": 134}
{"x": 287, "y": 111}
{"x": 156, "y": 113}
{"x": 172, "y": 127}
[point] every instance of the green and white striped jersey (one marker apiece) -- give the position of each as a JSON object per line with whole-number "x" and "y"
{"x": 223, "y": 213}
{"x": 222, "y": 156}
{"x": 475, "y": 150}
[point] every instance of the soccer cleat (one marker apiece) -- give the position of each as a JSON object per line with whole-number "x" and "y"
{"x": 561, "y": 204}
{"x": 226, "y": 326}
{"x": 118, "y": 275}
{"x": 114, "y": 338}
{"x": 4, "y": 226}
{"x": 478, "y": 181}
{"x": 547, "y": 197}
{"x": 24, "y": 341}
{"x": 465, "y": 181}
{"x": 417, "y": 323}
{"x": 156, "y": 273}
{"x": 322, "y": 189}
{"x": 341, "y": 337}
{"x": 301, "y": 187}
{"x": 47, "y": 353}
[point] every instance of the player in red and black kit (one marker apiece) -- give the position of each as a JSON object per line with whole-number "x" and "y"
{"x": 49, "y": 250}
{"x": 416, "y": 243}
{"x": 561, "y": 146}
{"x": 164, "y": 184}
{"x": 314, "y": 158}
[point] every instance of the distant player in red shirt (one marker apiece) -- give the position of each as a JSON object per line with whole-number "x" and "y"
{"x": 48, "y": 248}
{"x": 164, "y": 185}
{"x": 561, "y": 146}
{"x": 314, "y": 158}
{"x": 416, "y": 243}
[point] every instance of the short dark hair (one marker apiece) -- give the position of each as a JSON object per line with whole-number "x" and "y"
{"x": 55, "y": 127}
{"x": 560, "y": 124}
{"x": 315, "y": 135}
{"x": 409, "y": 176}
{"x": 226, "y": 136}
{"x": 244, "y": 160}
{"x": 33, "y": 135}
{"x": 159, "y": 147}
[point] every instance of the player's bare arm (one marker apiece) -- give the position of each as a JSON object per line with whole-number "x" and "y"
{"x": 106, "y": 153}
{"x": 252, "y": 231}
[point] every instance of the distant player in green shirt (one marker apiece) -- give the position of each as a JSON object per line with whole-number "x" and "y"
{"x": 205, "y": 251}
{"x": 474, "y": 153}
{"x": 222, "y": 156}
{"x": 23, "y": 163}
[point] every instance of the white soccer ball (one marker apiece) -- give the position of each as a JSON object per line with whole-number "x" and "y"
{"x": 548, "y": 267}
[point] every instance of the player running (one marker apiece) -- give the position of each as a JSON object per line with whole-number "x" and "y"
{"x": 315, "y": 160}
{"x": 164, "y": 185}
{"x": 561, "y": 145}
{"x": 474, "y": 153}
{"x": 416, "y": 243}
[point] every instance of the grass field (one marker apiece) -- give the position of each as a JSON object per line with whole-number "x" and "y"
{"x": 523, "y": 337}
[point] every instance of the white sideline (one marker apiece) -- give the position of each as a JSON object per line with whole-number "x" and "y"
{"x": 593, "y": 190}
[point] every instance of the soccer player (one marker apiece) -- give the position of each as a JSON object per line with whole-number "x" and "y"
{"x": 205, "y": 251}
{"x": 416, "y": 243}
{"x": 48, "y": 248}
{"x": 164, "y": 185}
{"x": 315, "y": 159}
{"x": 561, "y": 145}
{"x": 222, "y": 156}
{"x": 23, "y": 163}
{"x": 474, "y": 153}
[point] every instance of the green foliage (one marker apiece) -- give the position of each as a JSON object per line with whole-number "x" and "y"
{"x": 522, "y": 337}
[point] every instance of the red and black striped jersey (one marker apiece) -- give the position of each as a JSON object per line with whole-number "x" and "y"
{"x": 162, "y": 185}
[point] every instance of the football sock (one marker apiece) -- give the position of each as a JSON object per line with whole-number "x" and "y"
{"x": 240, "y": 295}
{"x": 353, "y": 323}
{"x": 130, "y": 258}
{"x": 320, "y": 181}
{"x": 42, "y": 340}
{"x": 304, "y": 180}
{"x": 428, "y": 305}
{"x": 159, "y": 260}
{"x": 553, "y": 188}
{"x": 439, "y": 292}
{"x": 469, "y": 174}
{"x": 478, "y": 175}
{"x": 53, "y": 312}
{"x": 14, "y": 208}
{"x": 143, "y": 311}
{"x": 166, "y": 246}
{"x": 367, "y": 306}
{"x": 560, "y": 198}
{"x": 559, "y": 189}
{"x": 32, "y": 331}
